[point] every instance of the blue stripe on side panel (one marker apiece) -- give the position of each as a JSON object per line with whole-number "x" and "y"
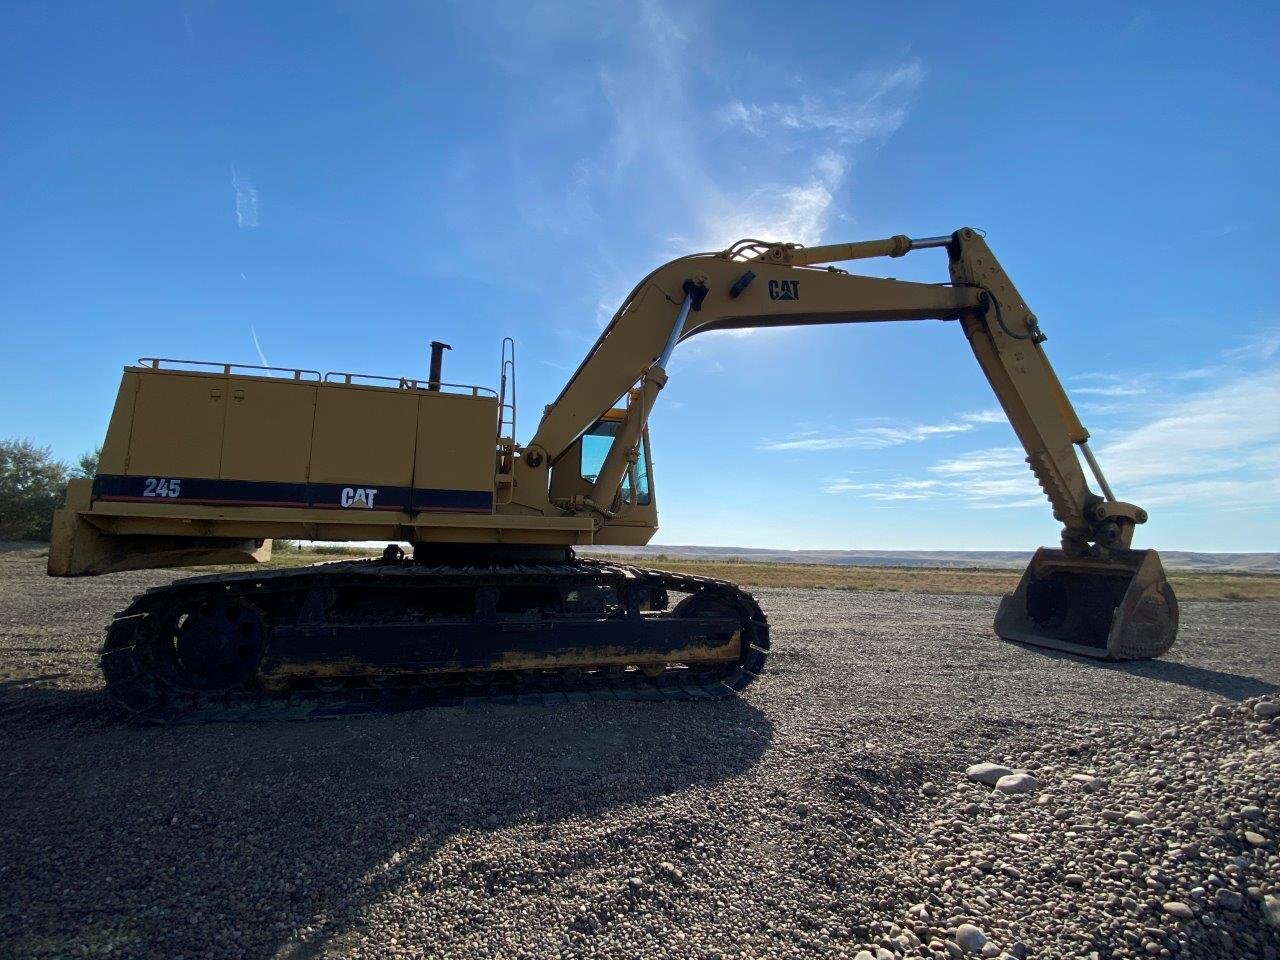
{"x": 199, "y": 490}
{"x": 256, "y": 493}
{"x": 470, "y": 501}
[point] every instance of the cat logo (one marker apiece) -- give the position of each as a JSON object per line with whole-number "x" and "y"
{"x": 359, "y": 497}
{"x": 784, "y": 289}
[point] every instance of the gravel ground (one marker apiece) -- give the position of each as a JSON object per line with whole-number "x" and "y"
{"x": 825, "y": 813}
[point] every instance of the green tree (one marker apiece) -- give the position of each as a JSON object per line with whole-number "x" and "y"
{"x": 87, "y": 465}
{"x": 31, "y": 488}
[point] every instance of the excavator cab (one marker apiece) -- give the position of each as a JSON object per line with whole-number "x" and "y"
{"x": 635, "y": 489}
{"x": 1114, "y": 607}
{"x": 631, "y": 517}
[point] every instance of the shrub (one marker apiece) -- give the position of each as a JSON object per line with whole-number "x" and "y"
{"x": 87, "y": 465}
{"x": 31, "y": 488}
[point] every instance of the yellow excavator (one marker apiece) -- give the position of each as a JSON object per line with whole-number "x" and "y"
{"x": 206, "y": 463}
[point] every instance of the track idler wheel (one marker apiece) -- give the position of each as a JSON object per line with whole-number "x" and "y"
{"x": 754, "y": 641}
{"x": 1117, "y": 607}
{"x": 215, "y": 646}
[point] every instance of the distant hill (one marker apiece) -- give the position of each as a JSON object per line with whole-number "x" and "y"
{"x": 1172, "y": 559}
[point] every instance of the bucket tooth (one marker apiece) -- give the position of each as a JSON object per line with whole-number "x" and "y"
{"x": 1118, "y": 607}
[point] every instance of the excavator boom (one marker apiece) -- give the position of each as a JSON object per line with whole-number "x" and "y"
{"x": 205, "y": 464}
{"x": 1094, "y": 596}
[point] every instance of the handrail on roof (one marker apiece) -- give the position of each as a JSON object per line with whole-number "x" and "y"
{"x": 298, "y": 373}
{"x": 404, "y": 383}
{"x": 333, "y": 376}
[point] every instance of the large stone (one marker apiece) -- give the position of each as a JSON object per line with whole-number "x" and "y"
{"x": 1271, "y": 909}
{"x": 969, "y": 938}
{"x": 1267, "y": 709}
{"x": 1017, "y": 783}
{"x": 987, "y": 773}
{"x": 1176, "y": 908}
{"x": 1229, "y": 899}
{"x": 1136, "y": 818}
{"x": 1088, "y": 784}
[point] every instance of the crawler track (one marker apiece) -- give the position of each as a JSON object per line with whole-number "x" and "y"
{"x": 372, "y": 636}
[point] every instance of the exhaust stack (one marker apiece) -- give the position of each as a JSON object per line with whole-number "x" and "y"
{"x": 437, "y": 360}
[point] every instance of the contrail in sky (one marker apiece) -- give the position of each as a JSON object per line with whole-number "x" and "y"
{"x": 262, "y": 357}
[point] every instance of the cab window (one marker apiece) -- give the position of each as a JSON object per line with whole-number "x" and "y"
{"x": 642, "y": 475}
{"x": 595, "y": 448}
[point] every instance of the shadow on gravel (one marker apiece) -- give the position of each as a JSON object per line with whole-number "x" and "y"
{"x": 223, "y": 840}
{"x": 1234, "y": 686}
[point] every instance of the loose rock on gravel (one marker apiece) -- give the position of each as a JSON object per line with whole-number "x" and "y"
{"x": 791, "y": 822}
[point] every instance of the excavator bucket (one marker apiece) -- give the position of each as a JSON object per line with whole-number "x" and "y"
{"x": 1120, "y": 607}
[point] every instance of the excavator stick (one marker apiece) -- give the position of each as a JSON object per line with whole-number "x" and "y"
{"x": 1117, "y": 607}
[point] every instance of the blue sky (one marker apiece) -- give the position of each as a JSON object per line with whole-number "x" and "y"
{"x": 333, "y": 186}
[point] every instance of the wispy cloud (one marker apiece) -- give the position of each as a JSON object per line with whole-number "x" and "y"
{"x": 795, "y": 212}
{"x": 905, "y": 490}
{"x": 774, "y": 170}
{"x": 868, "y": 438}
{"x": 979, "y": 461}
{"x": 1250, "y": 349}
{"x": 1206, "y": 431}
{"x": 878, "y": 436}
{"x": 1260, "y": 346}
{"x": 875, "y": 105}
{"x": 994, "y": 477}
{"x": 1228, "y": 431}
{"x": 1095, "y": 375}
{"x": 246, "y": 201}
{"x": 828, "y": 130}
{"x": 990, "y": 415}
{"x": 1218, "y": 446}
{"x": 1113, "y": 390}
{"x": 686, "y": 146}
{"x": 1197, "y": 373}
